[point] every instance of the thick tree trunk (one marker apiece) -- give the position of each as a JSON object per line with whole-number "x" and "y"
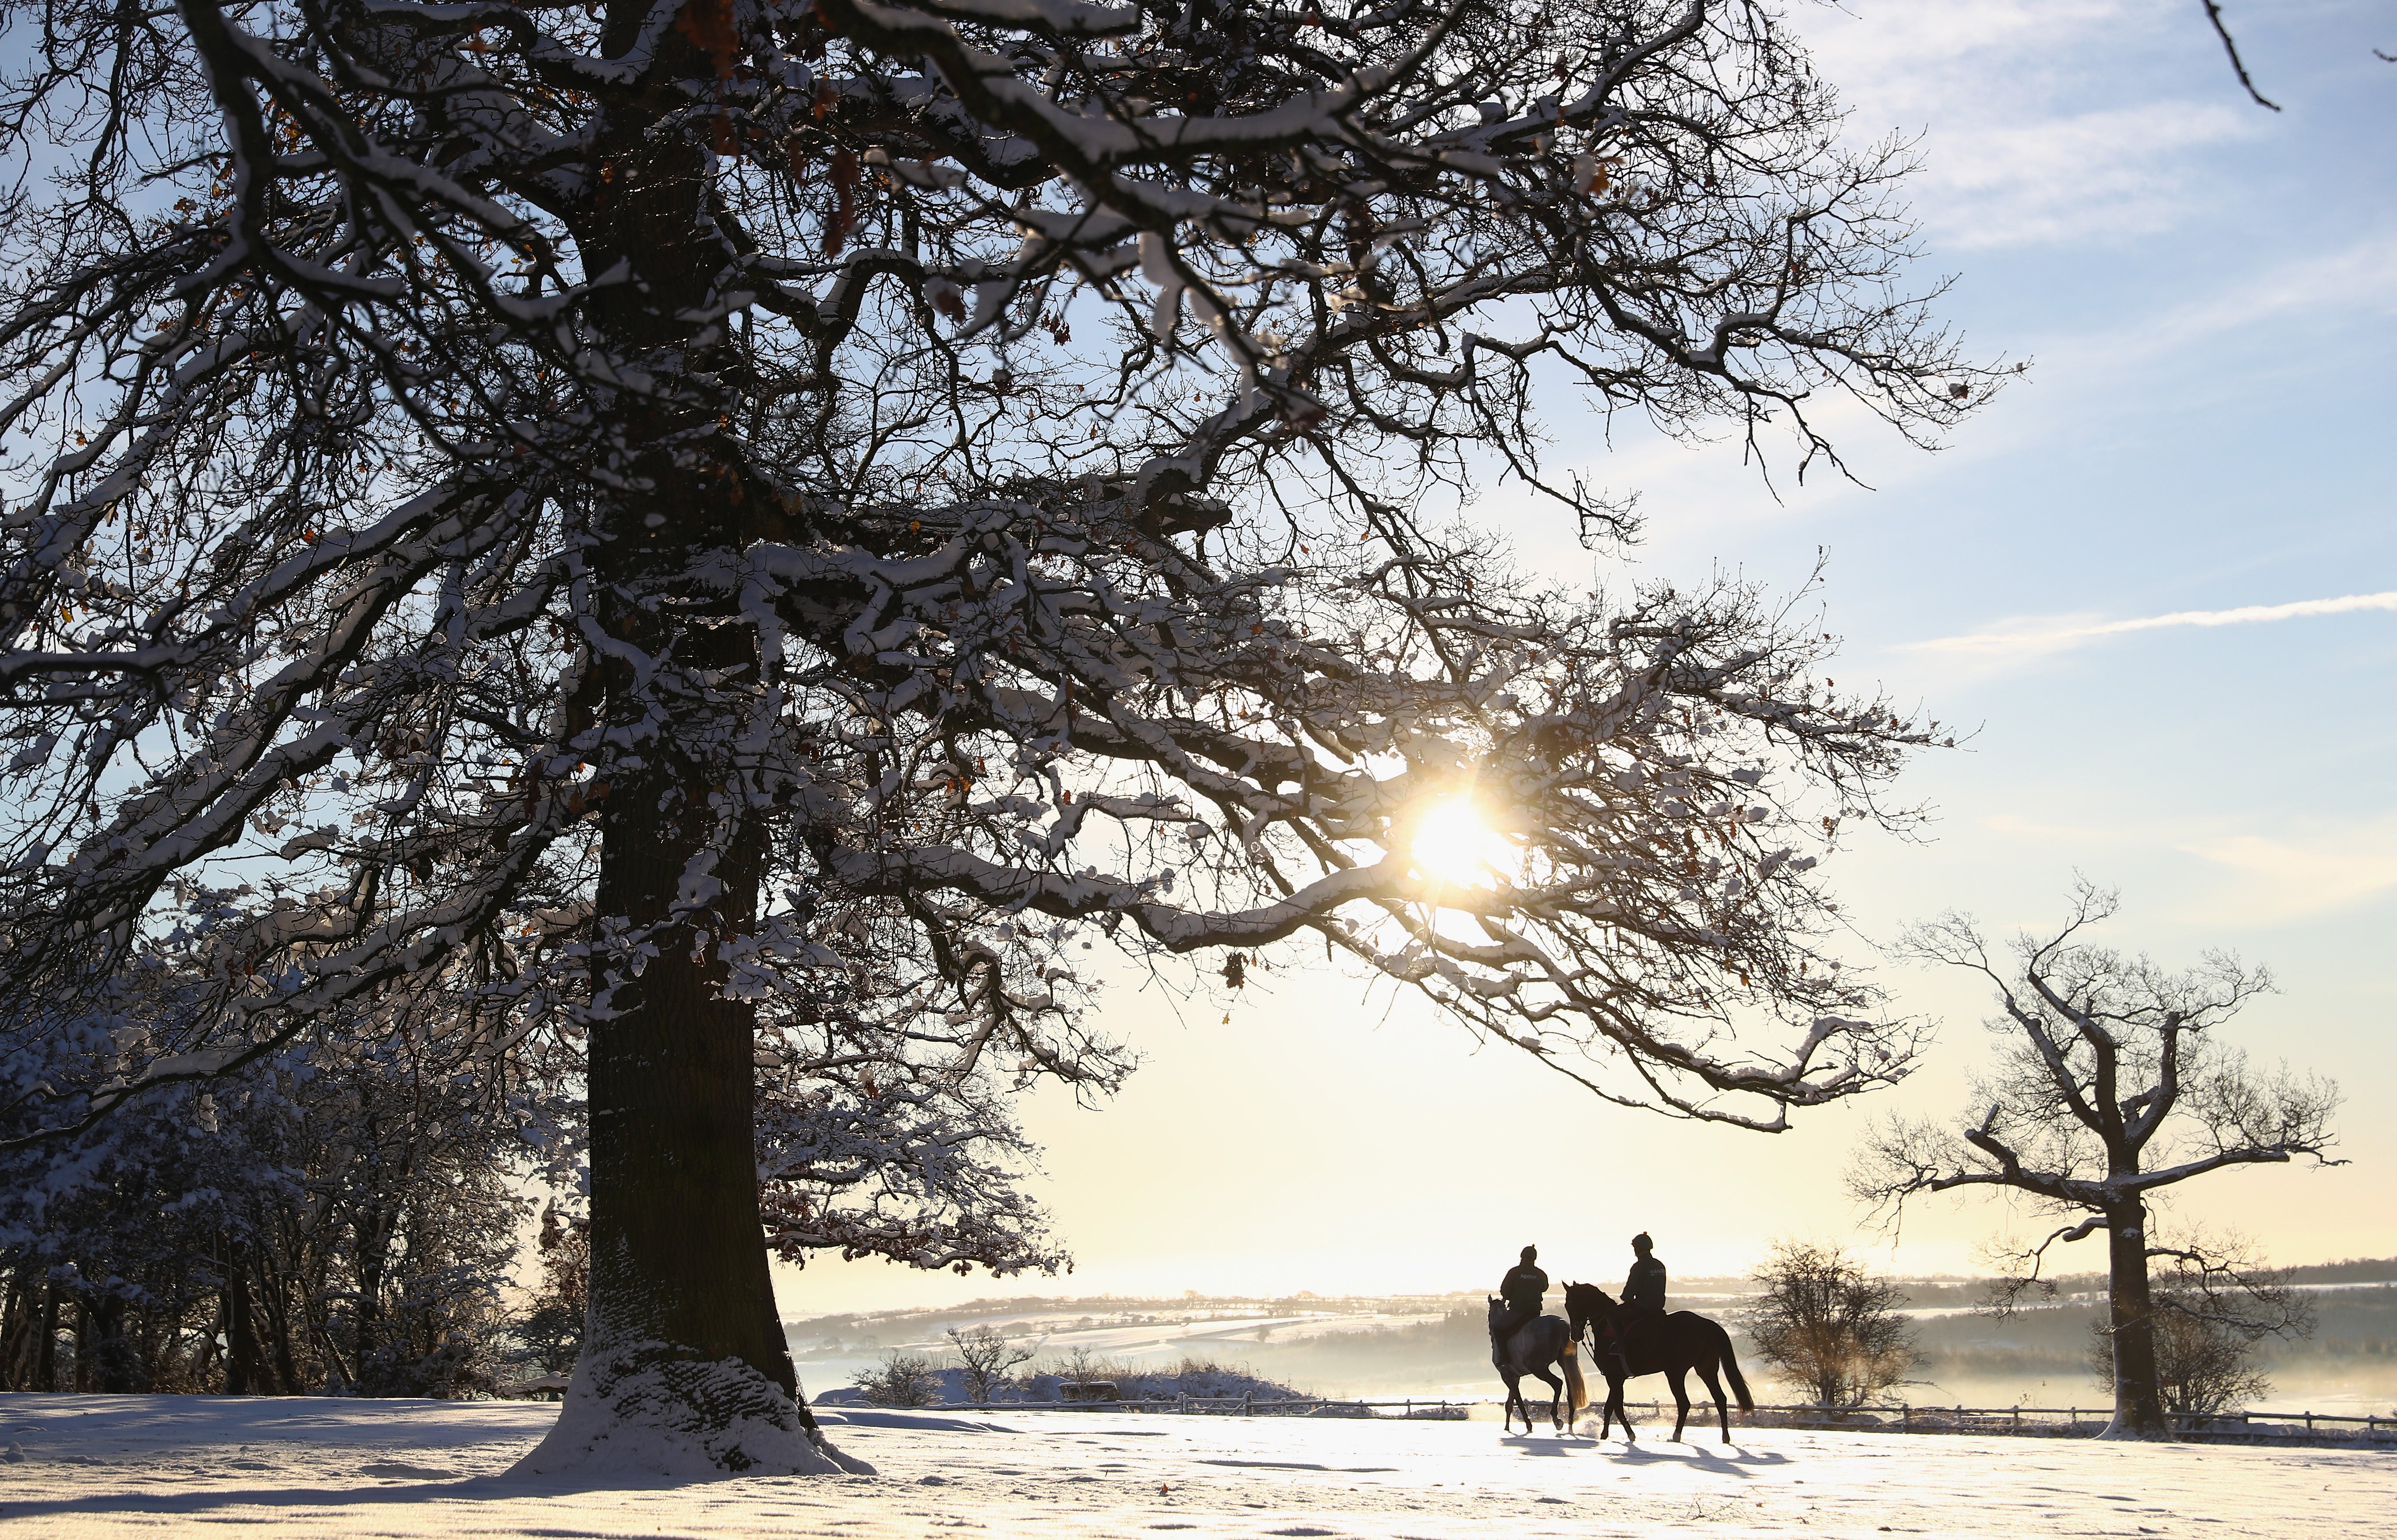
{"x": 2138, "y": 1410}
{"x": 684, "y": 1367}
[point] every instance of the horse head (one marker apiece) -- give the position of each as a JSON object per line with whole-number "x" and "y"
{"x": 1585, "y": 1306}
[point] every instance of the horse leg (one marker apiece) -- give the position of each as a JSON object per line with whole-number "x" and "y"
{"x": 1514, "y": 1400}
{"x": 1605, "y": 1403}
{"x": 1614, "y": 1384}
{"x": 1556, "y": 1400}
{"x": 1680, "y": 1400}
{"x": 1722, "y": 1410}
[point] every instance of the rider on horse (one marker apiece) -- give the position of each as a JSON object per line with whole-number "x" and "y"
{"x": 1643, "y": 1298}
{"x": 1522, "y": 1288}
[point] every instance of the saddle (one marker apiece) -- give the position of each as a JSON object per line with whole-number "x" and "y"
{"x": 1502, "y": 1341}
{"x": 1633, "y": 1333}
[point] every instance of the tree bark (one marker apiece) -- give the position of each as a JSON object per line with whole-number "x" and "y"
{"x": 677, "y": 1249}
{"x": 278, "y": 1322}
{"x": 86, "y": 1339}
{"x": 46, "y": 1341}
{"x": 2138, "y": 1410}
{"x": 116, "y": 1362}
{"x": 240, "y": 1332}
{"x": 372, "y": 1228}
{"x": 16, "y": 1331}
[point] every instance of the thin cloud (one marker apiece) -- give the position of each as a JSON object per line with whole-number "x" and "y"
{"x": 2055, "y": 638}
{"x": 2283, "y": 880}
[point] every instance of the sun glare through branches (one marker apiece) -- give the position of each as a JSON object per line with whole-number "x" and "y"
{"x": 1455, "y": 845}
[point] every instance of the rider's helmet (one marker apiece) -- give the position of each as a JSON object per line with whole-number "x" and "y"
{"x": 1641, "y": 1242}
{"x": 1530, "y": 1255}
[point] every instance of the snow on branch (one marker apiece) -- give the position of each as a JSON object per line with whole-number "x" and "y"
{"x": 975, "y": 472}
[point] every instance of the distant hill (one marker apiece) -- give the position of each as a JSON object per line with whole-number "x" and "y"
{"x": 2382, "y": 1269}
{"x": 1071, "y": 1313}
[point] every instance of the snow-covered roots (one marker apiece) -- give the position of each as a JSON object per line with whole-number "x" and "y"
{"x": 642, "y": 1410}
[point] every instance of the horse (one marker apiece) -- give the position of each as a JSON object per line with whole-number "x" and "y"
{"x": 1530, "y": 1349}
{"x": 1681, "y": 1342}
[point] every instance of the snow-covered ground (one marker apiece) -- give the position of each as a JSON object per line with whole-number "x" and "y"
{"x": 91, "y": 1466}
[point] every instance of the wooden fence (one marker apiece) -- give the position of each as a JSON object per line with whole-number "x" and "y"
{"x": 2044, "y": 1421}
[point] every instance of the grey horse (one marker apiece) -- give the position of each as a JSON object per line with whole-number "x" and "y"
{"x": 1531, "y": 1349}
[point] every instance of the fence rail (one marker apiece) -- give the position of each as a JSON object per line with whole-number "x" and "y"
{"x": 1911, "y": 1418}
{"x": 2067, "y": 1421}
{"x": 1235, "y": 1406}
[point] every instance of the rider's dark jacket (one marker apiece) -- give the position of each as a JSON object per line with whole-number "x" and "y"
{"x": 1523, "y": 1288}
{"x": 1645, "y": 1286}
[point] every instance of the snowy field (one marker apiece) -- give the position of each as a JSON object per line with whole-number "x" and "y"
{"x": 93, "y": 1467}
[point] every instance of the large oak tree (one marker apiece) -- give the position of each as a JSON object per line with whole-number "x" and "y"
{"x": 738, "y": 536}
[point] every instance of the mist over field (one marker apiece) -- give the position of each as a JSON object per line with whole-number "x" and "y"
{"x": 1437, "y": 1346}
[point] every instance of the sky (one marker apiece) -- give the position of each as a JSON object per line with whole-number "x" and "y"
{"x": 2159, "y": 574}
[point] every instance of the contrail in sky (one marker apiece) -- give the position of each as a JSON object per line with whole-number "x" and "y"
{"x": 2002, "y": 641}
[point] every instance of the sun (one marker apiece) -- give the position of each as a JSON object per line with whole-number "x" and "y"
{"x": 1454, "y": 844}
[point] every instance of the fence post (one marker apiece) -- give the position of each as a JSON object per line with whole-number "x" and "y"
{"x": 2017, "y": 1419}
{"x": 2310, "y": 1422}
{"x": 1906, "y": 1417}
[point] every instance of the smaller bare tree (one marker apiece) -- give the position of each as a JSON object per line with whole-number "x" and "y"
{"x": 902, "y": 1379}
{"x": 1824, "y": 1324}
{"x": 985, "y": 1357}
{"x": 2109, "y": 1086}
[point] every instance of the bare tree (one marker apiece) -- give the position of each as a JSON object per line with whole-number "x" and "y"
{"x": 987, "y": 1356}
{"x": 902, "y": 1379}
{"x": 1824, "y": 1324}
{"x": 601, "y": 512}
{"x": 2109, "y": 1087}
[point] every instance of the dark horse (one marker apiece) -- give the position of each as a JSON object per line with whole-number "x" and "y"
{"x": 1681, "y": 1342}
{"x": 1530, "y": 1349}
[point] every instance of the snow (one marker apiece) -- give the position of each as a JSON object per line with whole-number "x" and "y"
{"x": 632, "y": 1407}
{"x": 88, "y": 1466}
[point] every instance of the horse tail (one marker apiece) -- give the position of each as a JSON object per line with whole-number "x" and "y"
{"x": 1579, "y": 1389}
{"x": 1730, "y": 1373}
